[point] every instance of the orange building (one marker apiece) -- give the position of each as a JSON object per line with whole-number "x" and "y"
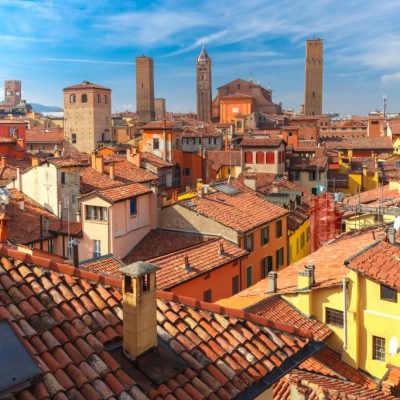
{"x": 238, "y": 214}
{"x": 233, "y": 104}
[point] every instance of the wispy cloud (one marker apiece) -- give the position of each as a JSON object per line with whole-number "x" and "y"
{"x": 87, "y": 61}
{"x": 391, "y": 78}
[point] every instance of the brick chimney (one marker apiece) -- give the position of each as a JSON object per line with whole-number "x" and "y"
{"x": 3, "y": 161}
{"x": 139, "y": 308}
{"x": 3, "y": 227}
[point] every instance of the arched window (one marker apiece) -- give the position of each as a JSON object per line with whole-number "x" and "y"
{"x": 84, "y": 98}
{"x": 270, "y": 157}
{"x": 260, "y": 157}
{"x": 72, "y": 98}
{"x": 248, "y": 157}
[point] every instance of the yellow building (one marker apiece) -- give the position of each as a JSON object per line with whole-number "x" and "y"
{"x": 363, "y": 317}
{"x": 224, "y": 164}
{"x": 232, "y": 105}
{"x": 299, "y": 238}
{"x": 396, "y": 146}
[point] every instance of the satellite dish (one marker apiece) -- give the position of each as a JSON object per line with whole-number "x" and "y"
{"x": 396, "y": 224}
{"x": 393, "y": 346}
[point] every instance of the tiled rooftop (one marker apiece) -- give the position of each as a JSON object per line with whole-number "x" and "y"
{"x": 162, "y": 241}
{"x": 123, "y": 192}
{"x": 152, "y": 159}
{"x": 323, "y": 387}
{"x": 279, "y": 310}
{"x": 168, "y": 125}
{"x": 329, "y": 266}
{"x": 242, "y": 211}
{"x": 71, "y": 322}
{"x": 86, "y": 85}
{"x": 107, "y": 264}
{"x": 361, "y": 143}
{"x": 373, "y": 196}
{"x": 308, "y": 163}
{"x": 261, "y": 141}
{"x": 92, "y": 180}
{"x": 24, "y": 225}
{"x": 379, "y": 262}
{"x": 44, "y": 137}
{"x": 60, "y": 162}
{"x": 220, "y": 158}
{"x": 126, "y": 172}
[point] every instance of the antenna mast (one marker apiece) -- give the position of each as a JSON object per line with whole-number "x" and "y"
{"x": 384, "y": 105}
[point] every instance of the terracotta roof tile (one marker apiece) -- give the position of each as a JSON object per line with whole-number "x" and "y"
{"x": 78, "y": 364}
{"x": 86, "y": 85}
{"x": 45, "y": 136}
{"x": 242, "y": 211}
{"x": 121, "y": 193}
{"x": 379, "y": 262}
{"x": 126, "y": 172}
{"x": 92, "y": 180}
{"x": 157, "y": 162}
{"x": 162, "y": 241}
{"x": 219, "y": 158}
{"x": 276, "y": 308}
{"x": 361, "y": 143}
{"x": 261, "y": 141}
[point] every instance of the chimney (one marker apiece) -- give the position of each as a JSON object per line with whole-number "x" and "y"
{"x": 186, "y": 265}
{"x": 297, "y": 390}
{"x": 391, "y": 235}
{"x": 272, "y": 281}
{"x": 35, "y": 161}
{"x": 112, "y": 171}
{"x": 3, "y": 161}
{"x": 57, "y": 154}
{"x": 221, "y": 248}
{"x": 304, "y": 279}
{"x": 21, "y": 204}
{"x": 75, "y": 253}
{"x": 311, "y": 271}
{"x": 97, "y": 161}
{"x": 139, "y": 308}
{"x": 3, "y": 227}
{"x": 136, "y": 157}
{"x": 18, "y": 181}
{"x": 250, "y": 181}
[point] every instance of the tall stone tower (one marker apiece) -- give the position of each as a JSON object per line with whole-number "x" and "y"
{"x": 203, "y": 81}
{"x": 12, "y": 93}
{"x": 87, "y": 116}
{"x": 145, "y": 89}
{"x": 314, "y": 77}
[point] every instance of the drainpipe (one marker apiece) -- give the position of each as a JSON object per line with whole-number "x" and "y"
{"x": 345, "y": 280}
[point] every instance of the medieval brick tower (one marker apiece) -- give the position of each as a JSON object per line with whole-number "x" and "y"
{"x": 314, "y": 77}
{"x": 145, "y": 89}
{"x": 204, "y": 99}
{"x": 12, "y": 93}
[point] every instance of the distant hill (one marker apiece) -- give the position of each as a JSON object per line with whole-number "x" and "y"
{"x": 40, "y": 108}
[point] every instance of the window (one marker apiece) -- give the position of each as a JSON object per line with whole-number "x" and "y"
{"x": 388, "y": 293}
{"x": 260, "y": 157}
{"x": 308, "y": 234}
{"x": 279, "y": 258}
{"x": 312, "y": 176}
{"x": 72, "y": 98}
{"x": 212, "y": 140}
{"x": 207, "y": 296}
{"x": 96, "y": 249}
{"x": 95, "y": 213}
{"x": 334, "y": 317}
{"x": 378, "y": 348}
{"x": 235, "y": 284}
{"x": 266, "y": 266}
{"x": 249, "y": 276}
{"x": 73, "y": 138}
{"x": 248, "y": 157}
{"x": 98, "y": 98}
{"x": 278, "y": 229}
{"x": 84, "y": 98}
{"x": 303, "y": 240}
{"x": 249, "y": 242}
{"x": 50, "y": 247}
{"x": 239, "y": 124}
{"x": 186, "y": 171}
{"x": 63, "y": 178}
{"x": 132, "y": 206}
{"x": 264, "y": 235}
{"x": 270, "y": 158}
{"x": 105, "y": 99}
{"x": 156, "y": 144}
{"x": 295, "y": 175}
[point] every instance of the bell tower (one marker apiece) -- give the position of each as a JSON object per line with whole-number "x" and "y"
{"x": 203, "y": 91}
{"x": 314, "y": 77}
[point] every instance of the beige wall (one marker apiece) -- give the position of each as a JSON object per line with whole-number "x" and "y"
{"x": 276, "y": 168}
{"x": 266, "y": 395}
{"x": 88, "y": 120}
{"x": 178, "y": 217}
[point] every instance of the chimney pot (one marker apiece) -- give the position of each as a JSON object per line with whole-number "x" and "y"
{"x": 187, "y": 265}
{"x": 273, "y": 281}
{"x": 21, "y": 205}
{"x": 221, "y": 248}
{"x": 311, "y": 271}
{"x": 3, "y": 161}
{"x": 112, "y": 171}
{"x": 392, "y": 235}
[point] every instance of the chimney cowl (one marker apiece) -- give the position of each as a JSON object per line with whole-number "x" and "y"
{"x": 187, "y": 264}
{"x": 273, "y": 281}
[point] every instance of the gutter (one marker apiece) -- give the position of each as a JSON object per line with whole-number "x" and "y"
{"x": 349, "y": 259}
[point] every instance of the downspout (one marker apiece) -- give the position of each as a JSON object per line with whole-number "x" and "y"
{"x": 345, "y": 280}
{"x": 109, "y": 230}
{"x": 240, "y": 274}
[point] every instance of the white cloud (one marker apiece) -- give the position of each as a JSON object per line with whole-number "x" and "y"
{"x": 87, "y": 61}
{"x": 391, "y": 78}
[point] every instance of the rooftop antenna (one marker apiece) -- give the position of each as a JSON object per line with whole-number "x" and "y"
{"x": 384, "y": 105}
{"x": 251, "y": 77}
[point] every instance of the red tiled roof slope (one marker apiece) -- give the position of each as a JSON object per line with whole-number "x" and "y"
{"x": 278, "y": 309}
{"x": 66, "y": 322}
{"x": 126, "y": 172}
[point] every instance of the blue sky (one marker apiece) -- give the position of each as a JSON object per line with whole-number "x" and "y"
{"x": 50, "y": 44}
